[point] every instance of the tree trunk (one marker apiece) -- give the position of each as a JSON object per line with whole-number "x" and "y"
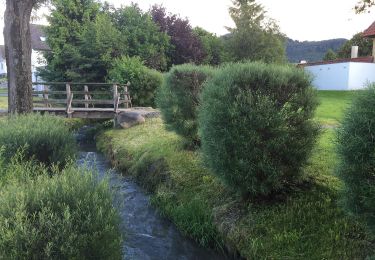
{"x": 18, "y": 55}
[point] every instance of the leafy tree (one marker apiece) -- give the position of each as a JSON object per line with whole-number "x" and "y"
{"x": 213, "y": 46}
{"x": 364, "y": 5}
{"x": 255, "y": 37}
{"x": 364, "y": 44}
{"x": 142, "y": 36}
{"x": 330, "y": 55}
{"x": 186, "y": 46}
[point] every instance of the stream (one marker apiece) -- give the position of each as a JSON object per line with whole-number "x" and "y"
{"x": 147, "y": 235}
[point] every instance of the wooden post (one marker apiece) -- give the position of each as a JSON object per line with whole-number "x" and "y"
{"x": 69, "y": 98}
{"x": 127, "y": 95}
{"x": 86, "y": 88}
{"x": 115, "y": 97}
{"x": 45, "y": 95}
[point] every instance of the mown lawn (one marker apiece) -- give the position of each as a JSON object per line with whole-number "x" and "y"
{"x": 3, "y": 102}
{"x": 332, "y": 106}
{"x": 306, "y": 223}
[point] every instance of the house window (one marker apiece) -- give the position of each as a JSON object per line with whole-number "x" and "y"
{"x": 43, "y": 39}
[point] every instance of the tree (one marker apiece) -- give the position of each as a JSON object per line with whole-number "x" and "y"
{"x": 186, "y": 46}
{"x": 18, "y": 54}
{"x": 255, "y": 37}
{"x": 364, "y": 44}
{"x": 330, "y": 55}
{"x": 69, "y": 21}
{"x": 142, "y": 36}
{"x": 213, "y": 47}
{"x": 364, "y": 5}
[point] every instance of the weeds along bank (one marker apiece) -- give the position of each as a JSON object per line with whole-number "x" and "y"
{"x": 49, "y": 208}
{"x": 266, "y": 190}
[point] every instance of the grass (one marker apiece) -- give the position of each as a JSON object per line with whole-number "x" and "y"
{"x": 3, "y": 102}
{"x": 305, "y": 224}
{"x": 332, "y": 106}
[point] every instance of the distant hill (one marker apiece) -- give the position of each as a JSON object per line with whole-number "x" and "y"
{"x": 310, "y": 50}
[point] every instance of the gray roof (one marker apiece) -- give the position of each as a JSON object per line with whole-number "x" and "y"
{"x": 37, "y": 31}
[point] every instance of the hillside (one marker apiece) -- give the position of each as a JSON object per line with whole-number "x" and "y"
{"x": 310, "y": 50}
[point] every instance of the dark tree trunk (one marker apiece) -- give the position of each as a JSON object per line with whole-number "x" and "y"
{"x": 18, "y": 55}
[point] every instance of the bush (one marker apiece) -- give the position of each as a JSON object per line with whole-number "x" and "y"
{"x": 44, "y": 137}
{"x": 256, "y": 126}
{"x": 143, "y": 81}
{"x": 178, "y": 99}
{"x": 356, "y": 142}
{"x": 67, "y": 216}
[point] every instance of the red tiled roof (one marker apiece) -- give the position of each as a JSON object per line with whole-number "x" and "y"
{"x": 370, "y": 32}
{"x": 369, "y": 59}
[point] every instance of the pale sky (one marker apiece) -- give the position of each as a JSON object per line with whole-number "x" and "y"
{"x": 298, "y": 19}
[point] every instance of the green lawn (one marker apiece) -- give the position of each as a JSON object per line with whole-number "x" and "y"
{"x": 3, "y": 102}
{"x": 3, "y": 90}
{"x": 332, "y": 106}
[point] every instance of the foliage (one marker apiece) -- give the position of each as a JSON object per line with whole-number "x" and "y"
{"x": 213, "y": 47}
{"x": 255, "y": 37}
{"x": 46, "y": 138}
{"x": 68, "y": 21}
{"x": 364, "y": 5}
{"x": 364, "y": 44}
{"x": 308, "y": 224}
{"x": 178, "y": 99}
{"x": 144, "y": 81}
{"x": 330, "y": 55}
{"x": 142, "y": 37}
{"x": 256, "y": 128}
{"x": 66, "y": 216}
{"x": 186, "y": 46}
{"x": 357, "y": 159}
{"x": 310, "y": 50}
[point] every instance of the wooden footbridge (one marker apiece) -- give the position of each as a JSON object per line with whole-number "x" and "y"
{"x": 81, "y": 100}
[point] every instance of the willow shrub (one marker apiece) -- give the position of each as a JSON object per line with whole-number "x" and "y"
{"x": 66, "y": 216}
{"x": 45, "y": 138}
{"x": 256, "y": 126}
{"x": 178, "y": 99}
{"x": 356, "y": 143}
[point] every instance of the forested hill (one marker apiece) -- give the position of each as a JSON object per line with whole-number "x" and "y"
{"x": 310, "y": 50}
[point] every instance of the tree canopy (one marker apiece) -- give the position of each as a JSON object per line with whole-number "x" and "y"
{"x": 255, "y": 36}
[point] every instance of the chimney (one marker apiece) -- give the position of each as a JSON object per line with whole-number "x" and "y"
{"x": 354, "y": 52}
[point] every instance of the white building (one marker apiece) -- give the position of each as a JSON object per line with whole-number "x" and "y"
{"x": 3, "y": 65}
{"x": 38, "y": 46}
{"x": 345, "y": 74}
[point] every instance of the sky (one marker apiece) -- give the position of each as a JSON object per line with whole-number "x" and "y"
{"x": 311, "y": 20}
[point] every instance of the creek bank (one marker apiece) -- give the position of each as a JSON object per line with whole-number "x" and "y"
{"x": 306, "y": 223}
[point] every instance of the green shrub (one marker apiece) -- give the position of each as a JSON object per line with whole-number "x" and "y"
{"x": 256, "y": 126}
{"x": 356, "y": 142}
{"x": 143, "y": 81}
{"x": 178, "y": 99}
{"x": 44, "y": 137}
{"x": 67, "y": 216}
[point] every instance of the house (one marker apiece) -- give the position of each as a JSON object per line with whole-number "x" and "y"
{"x": 344, "y": 74}
{"x": 38, "y": 46}
{"x": 3, "y": 65}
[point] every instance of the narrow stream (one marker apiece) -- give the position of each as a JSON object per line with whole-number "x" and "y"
{"x": 146, "y": 234}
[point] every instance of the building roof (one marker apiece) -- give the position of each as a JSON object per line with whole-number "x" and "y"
{"x": 370, "y": 32}
{"x": 37, "y": 34}
{"x": 2, "y": 52}
{"x": 368, "y": 59}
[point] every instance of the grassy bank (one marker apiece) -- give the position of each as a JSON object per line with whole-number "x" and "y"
{"x": 307, "y": 223}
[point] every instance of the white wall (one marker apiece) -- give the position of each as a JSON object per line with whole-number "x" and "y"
{"x": 342, "y": 76}
{"x": 330, "y": 76}
{"x": 37, "y": 60}
{"x": 361, "y": 74}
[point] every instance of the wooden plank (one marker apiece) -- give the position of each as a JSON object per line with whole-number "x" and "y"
{"x": 73, "y": 84}
{"x": 93, "y": 101}
{"x": 46, "y": 101}
{"x": 49, "y": 92}
{"x": 86, "y": 88}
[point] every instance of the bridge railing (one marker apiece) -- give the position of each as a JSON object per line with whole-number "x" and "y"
{"x": 118, "y": 93}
